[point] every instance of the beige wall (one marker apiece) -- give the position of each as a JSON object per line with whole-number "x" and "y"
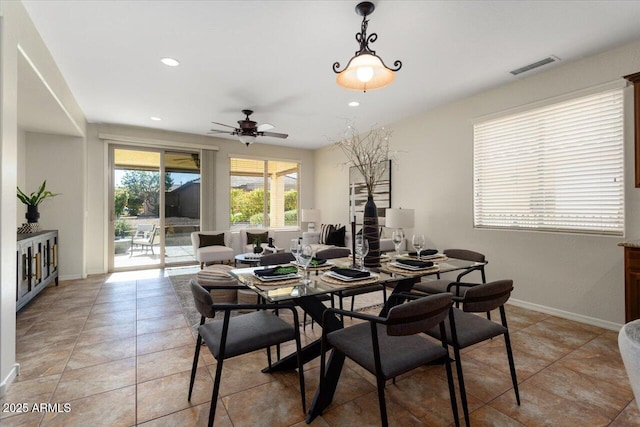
{"x": 98, "y": 178}
{"x": 577, "y": 276}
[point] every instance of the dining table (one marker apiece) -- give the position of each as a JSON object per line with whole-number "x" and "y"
{"x": 322, "y": 281}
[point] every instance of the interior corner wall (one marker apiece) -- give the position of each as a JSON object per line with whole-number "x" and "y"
{"x": 571, "y": 275}
{"x": 59, "y": 160}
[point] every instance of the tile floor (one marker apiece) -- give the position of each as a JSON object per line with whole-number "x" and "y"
{"x": 117, "y": 350}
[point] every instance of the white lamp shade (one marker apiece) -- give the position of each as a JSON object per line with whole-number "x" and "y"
{"x": 399, "y": 218}
{"x": 310, "y": 215}
{"x": 247, "y": 139}
{"x": 365, "y": 72}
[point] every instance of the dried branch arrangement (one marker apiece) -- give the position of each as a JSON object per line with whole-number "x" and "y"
{"x": 368, "y": 152}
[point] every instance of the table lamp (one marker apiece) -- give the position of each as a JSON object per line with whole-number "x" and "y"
{"x": 399, "y": 218}
{"x": 311, "y": 216}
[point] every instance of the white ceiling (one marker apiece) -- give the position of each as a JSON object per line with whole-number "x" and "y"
{"x": 275, "y": 57}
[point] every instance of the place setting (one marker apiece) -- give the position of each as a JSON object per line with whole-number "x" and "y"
{"x": 274, "y": 276}
{"x": 347, "y": 275}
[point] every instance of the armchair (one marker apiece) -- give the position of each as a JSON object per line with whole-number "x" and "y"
{"x": 212, "y": 246}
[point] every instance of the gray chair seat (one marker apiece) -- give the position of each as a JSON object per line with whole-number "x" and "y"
{"x": 356, "y": 342}
{"x": 470, "y": 329}
{"x": 247, "y": 333}
{"x": 432, "y": 286}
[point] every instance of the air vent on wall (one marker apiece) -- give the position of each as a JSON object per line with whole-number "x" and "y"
{"x": 545, "y": 61}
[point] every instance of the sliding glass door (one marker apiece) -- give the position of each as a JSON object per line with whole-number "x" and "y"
{"x": 155, "y": 205}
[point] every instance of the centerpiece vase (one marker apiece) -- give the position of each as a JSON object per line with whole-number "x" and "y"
{"x": 371, "y": 232}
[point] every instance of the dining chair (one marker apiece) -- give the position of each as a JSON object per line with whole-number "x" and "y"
{"x": 242, "y": 334}
{"x": 440, "y": 285}
{"x": 390, "y": 346}
{"x": 465, "y": 328}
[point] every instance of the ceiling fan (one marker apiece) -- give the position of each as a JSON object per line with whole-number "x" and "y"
{"x": 248, "y": 130}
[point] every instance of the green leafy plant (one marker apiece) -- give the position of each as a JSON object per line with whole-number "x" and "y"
{"x": 35, "y": 198}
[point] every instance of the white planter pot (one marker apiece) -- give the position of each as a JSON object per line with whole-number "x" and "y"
{"x": 629, "y": 344}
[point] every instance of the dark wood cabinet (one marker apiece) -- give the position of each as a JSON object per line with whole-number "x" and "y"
{"x": 632, "y": 283}
{"x": 36, "y": 264}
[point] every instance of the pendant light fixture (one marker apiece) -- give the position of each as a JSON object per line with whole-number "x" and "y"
{"x": 366, "y": 70}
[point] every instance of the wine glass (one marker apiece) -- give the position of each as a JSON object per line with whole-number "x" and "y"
{"x": 358, "y": 248}
{"x": 364, "y": 250}
{"x": 305, "y": 255}
{"x": 398, "y": 238}
{"x": 418, "y": 243}
{"x": 295, "y": 248}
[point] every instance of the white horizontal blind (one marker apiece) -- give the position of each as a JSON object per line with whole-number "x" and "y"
{"x": 556, "y": 168}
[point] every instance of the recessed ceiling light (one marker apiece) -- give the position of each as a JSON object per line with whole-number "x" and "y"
{"x": 354, "y": 104}
{"x": 155, "y": 119}
{"x": 170, "y": 62}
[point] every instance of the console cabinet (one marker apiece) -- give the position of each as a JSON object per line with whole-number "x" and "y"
{"x": 37, "y": 264}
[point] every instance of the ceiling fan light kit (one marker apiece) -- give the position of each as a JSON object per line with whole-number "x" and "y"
{"x": 365, "y": 70}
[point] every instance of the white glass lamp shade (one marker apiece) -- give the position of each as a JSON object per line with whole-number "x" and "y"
{"x": 399, "y": 218}
{"x": 365, "y": 72}
{"x": 247, "y": 139}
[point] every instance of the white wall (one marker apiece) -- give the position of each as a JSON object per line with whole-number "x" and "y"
{"x": 578, "y": 274}
{"x": 98, "y": 177}
{"x": 60, "y": 160}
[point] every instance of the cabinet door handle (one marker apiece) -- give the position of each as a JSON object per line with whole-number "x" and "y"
{"x": 25, "y": 267}
{"x": 38, "y": 267}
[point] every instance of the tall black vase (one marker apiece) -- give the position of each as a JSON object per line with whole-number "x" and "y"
{"x": 32, "y": 214}
{"x": 371, "y": 232}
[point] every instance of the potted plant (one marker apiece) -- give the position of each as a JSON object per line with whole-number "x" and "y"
{"x": 257, "y": 246}
{"x": 369, "y": 153}
{"x": 33, "y": 200}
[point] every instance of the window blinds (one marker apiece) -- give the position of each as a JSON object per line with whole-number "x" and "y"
{"x": 556, "y": 168}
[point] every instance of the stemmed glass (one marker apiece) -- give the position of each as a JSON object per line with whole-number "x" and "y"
{"x": 362, "y": 249}
{"x": 398, "y": 238}
{"x": 295, "y": 248}
{"x": 305, "y": 255}
{"x": 418, "y": 243}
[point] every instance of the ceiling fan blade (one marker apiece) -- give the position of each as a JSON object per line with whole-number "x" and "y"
{"x": 222, "y": 124}
{"x": 274, "y": 134}
{"x": 265, "y": 126}
{"x": 213, "y": 131}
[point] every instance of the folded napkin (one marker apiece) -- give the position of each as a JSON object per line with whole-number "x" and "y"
{"x": 315, "y": 262}
{"x": 351, "y": 273}
{"x": 425, "y": 252}
{"x": 415, "y": 263}
{"x": 275, "y": 271}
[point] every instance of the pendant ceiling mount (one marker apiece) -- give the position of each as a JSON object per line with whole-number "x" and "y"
{"x": 366, "y": 70}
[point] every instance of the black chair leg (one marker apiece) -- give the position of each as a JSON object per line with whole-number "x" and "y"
{"x": 214, "y": 395}
{"x": 194, "y": 366}
{"x": 353, "y": 301}
{"x": 463, "y": 392}
{"x": 512, "y": 366}
{"x": 452, "y": 392}
{"x": 381, "y": 401}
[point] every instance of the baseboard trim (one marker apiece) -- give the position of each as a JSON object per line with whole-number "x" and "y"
{"x": 13, "y": 373}
{"x": 567, "y": 315}
{"x": 71, "y": 277}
